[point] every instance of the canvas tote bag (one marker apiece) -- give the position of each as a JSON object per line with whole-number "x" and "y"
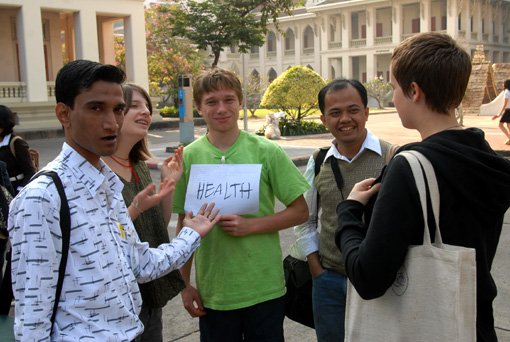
{"x": 433, "y": 297}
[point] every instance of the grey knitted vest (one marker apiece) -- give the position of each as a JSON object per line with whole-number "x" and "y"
{"x": 368, "y": 164}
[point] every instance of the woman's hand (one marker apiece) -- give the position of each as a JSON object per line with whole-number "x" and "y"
{"x": 364, "y": 190}
{"x": 495, "y": 117}
{"x": 171, "y": 168}
{"x": 144, "y": 200}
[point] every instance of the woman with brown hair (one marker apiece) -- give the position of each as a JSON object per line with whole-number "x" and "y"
{"x": 150, "y": 213}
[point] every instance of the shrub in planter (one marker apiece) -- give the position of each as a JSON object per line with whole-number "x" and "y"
{"x": 173, "y": 112}
{"x": 289, "y": 127}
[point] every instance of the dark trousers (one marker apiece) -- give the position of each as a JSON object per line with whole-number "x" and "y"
{"x": 6, "y": 295}
{"x": 260, "y": 322}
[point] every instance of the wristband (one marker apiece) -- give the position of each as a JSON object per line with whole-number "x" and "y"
{"x": 135, "y": 204}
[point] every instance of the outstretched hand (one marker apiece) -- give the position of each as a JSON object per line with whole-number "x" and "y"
{"x": 144, "y": 200}
{"x": 204, "y": 221}
{"x": 495, "y": 117}
{"x": 171, "y": 168}
{"x": 364, "y": 190}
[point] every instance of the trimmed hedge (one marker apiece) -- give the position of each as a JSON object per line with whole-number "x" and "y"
{"x": 289, "y": 127}
{"x": 173, "y": 112}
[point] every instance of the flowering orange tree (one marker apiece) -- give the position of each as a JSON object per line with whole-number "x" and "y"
{"x": 167, "y": 57}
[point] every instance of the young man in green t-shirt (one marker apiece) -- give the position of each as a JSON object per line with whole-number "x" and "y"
{"x": 239, "y": 274}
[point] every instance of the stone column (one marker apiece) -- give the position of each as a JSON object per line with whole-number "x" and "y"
{"x": 371, "y": 23}
{"x": 346, "y": 41}
{"x": 31, "y": 52}
{"x": 279, "y": 53}
{"x": 396, "y": 17}
{"x": 425, "y": 15}
{"x": 85, "y": 31}
{"x": 452, "y": 17}
{"x": 136, "y": 52}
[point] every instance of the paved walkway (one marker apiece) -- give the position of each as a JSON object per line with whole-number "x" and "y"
{"x": 179, "y": 326}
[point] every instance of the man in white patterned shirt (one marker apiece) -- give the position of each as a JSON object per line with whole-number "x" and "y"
{"x": 100, "y": 299}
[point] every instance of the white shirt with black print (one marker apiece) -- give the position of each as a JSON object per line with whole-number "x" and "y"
{"x": 100, "y": 298}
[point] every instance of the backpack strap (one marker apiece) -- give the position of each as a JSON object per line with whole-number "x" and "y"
{"x": 318, "y": 157}
{"x": 391, "y": 152}
{"x": 65, "y": 228}
{"x": 11, "y": 145}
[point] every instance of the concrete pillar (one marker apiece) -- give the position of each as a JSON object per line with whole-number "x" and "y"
{"x": 298, "y": 48}
{"x": 466, "y": 20}
{"x": 397, "y": 23}
{"x": 371, "y": 23}
{"x": 452, "y": 17}
{"x": 324, "y": 33}
{"x": 31, "y": 52}
{"x": 346, "y": 41}
{"x": 425, "y": 14}
{"x": 371, "y": 66}
{"x": 136, "y": 51}
{"x": 85, "y": 26}
{"x": 499, "y": 27}
{"x": 317, "y": 48}
{"x": 279, "y": 53}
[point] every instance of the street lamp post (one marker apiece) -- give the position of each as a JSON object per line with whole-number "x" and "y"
{"x": 245, "y": 117}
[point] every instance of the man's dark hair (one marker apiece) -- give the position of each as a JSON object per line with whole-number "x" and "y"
{"x": 79, "y": 75}
{"x": 6, "y": 120}
{"x": 338, "y": 84}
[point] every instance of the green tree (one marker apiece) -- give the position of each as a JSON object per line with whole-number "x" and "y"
{"x": 378, "y": 89}
{"x": 295, "y": 92}
{"x": 255, "y": 87}
{"x": 220, "y": 24}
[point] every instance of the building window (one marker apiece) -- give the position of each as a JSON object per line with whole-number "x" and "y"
{"x": 271, "y": 42}
{"x": 308, "y": 38}
{"x": 289, "y": 40}
{"x": 271, "y": 75}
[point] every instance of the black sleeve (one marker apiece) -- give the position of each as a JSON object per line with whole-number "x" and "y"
{"x": 373, "y": 259}
{"x": 24, "y": 161}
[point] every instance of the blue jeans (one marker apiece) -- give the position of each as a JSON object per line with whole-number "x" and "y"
{"x": 259, "y": 322}
{"x": 328, "y": 296}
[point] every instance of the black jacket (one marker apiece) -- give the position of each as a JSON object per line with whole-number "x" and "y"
{"x": 474, "y": 186}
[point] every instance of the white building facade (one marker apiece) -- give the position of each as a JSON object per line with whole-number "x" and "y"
{"x": 355, "y": 38}
{"x": 39, "y": 36}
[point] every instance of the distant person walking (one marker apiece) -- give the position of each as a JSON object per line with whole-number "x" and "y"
{"x": 14, "y": 151}
{"x": 505, "y": 111}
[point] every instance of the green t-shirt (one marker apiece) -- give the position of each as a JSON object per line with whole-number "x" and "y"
{"x": 237, "y": 272}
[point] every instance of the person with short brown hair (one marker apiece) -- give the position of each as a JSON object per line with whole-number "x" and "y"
{"x": 240, "y": 283}
{"x": 473, "y": 180}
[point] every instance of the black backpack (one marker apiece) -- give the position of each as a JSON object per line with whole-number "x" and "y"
{"x": 6, "y": 294}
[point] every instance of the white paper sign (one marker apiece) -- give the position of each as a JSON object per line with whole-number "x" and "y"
{"x": 234, "y": 188}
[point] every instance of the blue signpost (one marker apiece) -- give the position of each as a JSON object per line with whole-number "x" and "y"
{"x": 186, "y": 125}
